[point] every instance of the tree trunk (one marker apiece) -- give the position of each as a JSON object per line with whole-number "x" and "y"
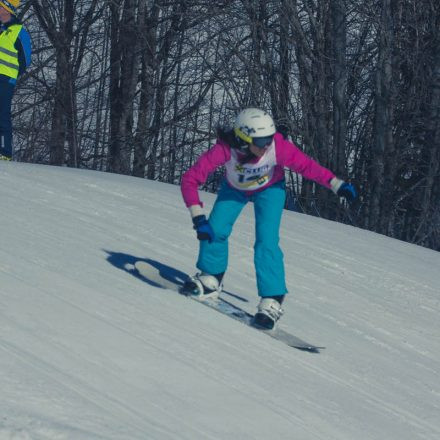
{"x": 124, "y": 70}
{"x": 339, "y": 22}
{"x": 382, "y": 172}
{"x": 148, "y": 44}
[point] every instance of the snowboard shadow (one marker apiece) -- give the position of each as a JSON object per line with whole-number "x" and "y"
{"x": 126, "y": 263}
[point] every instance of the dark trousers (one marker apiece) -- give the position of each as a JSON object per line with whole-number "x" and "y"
{"x": 6, "y": 92}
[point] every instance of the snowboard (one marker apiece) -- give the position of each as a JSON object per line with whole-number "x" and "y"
{"x": 222, "y": 305}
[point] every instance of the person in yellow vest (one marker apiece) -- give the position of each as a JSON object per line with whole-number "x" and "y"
{"x": 15, "y": 57}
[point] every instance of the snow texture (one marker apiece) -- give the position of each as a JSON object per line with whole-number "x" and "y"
{"x": 89, "y": 350}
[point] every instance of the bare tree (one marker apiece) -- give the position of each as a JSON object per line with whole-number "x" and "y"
{"x": 127, "y": 21}
{"x": 139, "y": 86}
{"x": 58, "y": 21}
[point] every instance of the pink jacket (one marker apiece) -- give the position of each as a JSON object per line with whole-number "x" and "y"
{"x": 282, "y": 153}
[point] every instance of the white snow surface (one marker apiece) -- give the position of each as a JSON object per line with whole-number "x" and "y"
{"x": 89, "y": 350}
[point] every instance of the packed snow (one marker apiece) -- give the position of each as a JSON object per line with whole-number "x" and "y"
{"x": 89, "y": 350}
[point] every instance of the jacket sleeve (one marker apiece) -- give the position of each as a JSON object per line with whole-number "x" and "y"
{"x": 197, "y": 175}
{"x": 290, "y": 156}
{"x": 24, "y": 48}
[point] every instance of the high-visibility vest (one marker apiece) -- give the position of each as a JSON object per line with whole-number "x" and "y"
{"x": 9, "y": 65}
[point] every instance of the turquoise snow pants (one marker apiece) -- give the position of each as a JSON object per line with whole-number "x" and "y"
{"x": 268, "y": 257}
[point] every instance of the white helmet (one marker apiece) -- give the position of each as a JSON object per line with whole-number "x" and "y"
{"x": 254, "y": 126}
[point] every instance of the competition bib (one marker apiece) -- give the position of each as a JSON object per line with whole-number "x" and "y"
{"x": 251, "y": 176}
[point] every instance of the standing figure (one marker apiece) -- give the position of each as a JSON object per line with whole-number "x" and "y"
{"x": 15, "y": 57}
{"x": 254, "y": 156}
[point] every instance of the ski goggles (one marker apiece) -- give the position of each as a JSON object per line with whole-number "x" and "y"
{"x": 262, "y": 142}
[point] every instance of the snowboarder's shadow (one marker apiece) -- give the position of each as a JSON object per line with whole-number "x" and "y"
{"x": 126, "y": 263}
{"x": 169, "y": 274}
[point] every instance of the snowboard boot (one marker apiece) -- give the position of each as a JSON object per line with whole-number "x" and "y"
{"x": 203, "y": 286}
{"x": 269, "y": 312}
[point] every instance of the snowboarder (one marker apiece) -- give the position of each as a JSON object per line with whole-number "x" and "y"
{"x": 15, "y": 57}
{"x": 254, "y": 156}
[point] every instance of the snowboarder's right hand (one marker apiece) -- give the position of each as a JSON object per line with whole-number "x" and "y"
{"x": 203, "y": 228}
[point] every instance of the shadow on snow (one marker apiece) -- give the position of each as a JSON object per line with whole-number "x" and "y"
{"x": 126, "y": 263}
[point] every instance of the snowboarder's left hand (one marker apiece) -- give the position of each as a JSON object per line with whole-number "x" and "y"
{"x": 343, "y": 189}
{"x": 203, "y": 228}
{"x": 348, "y": 191}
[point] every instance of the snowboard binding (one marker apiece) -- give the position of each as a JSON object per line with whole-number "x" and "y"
{"x": 202, "y": 286}
{"x": 268, "y": 313}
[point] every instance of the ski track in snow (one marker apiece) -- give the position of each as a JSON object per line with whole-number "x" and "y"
{"x": 88, "y": 350}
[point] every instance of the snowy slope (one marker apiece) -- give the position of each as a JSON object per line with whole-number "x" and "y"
{"x": 90, "y": 351}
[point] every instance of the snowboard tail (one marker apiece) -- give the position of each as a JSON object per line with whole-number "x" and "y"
{"x": 225, "y": 307}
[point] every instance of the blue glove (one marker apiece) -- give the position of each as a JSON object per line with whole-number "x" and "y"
{"x": 203, "y": 228}
{"x": 348, "y": 191}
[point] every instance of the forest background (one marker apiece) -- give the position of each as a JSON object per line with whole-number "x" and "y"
{"x": 138, "y": 87}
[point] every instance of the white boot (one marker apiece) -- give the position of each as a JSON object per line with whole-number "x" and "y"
{"x": 268, "y": 313}
{"x": 203, "y": 286}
